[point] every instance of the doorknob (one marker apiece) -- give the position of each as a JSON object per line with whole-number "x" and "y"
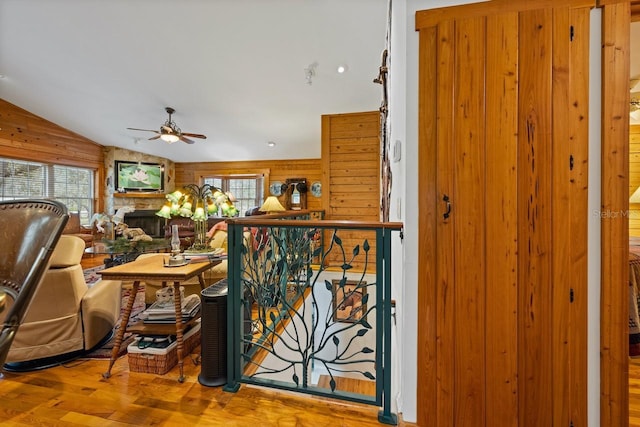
{"x": 445, "y": 199}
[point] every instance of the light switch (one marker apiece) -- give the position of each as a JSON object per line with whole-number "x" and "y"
{"x": 397, "y": 151}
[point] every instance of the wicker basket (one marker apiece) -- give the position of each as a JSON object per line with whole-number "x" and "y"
{"x": 160, "y": 361}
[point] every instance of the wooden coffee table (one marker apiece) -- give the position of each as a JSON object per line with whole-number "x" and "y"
{"x": 152, "y": 268}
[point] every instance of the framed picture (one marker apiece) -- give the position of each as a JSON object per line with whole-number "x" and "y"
{"x": 295, "y": 193}
{"x": 348, "y": 302}
{"x": 136, "y": 176}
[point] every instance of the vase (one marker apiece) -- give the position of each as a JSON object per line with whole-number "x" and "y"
{"x": 200, "y": 235}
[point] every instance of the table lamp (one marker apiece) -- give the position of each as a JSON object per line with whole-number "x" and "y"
{"x": 271, "y": 205}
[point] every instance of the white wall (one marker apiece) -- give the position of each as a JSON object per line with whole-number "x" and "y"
{"x": 403, "y": 112}
{"x": 593, "y": 251}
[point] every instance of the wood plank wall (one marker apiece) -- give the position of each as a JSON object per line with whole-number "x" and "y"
{"x": 274, "y": 170}
{"x": 634, "y": 179}
{"x": 25, "y": 136}
{"x": 351, "y": 174}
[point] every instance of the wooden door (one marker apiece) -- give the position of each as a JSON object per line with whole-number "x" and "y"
{"x": 503, "y": 215}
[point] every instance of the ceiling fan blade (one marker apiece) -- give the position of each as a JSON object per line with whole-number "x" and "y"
{"x": 154, "y": 137}
{"x": 195, "y": 135}
{"x": 187, "y": 140}
{"x": 145, "y": 130}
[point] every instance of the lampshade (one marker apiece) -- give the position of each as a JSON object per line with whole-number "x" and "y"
{"x": 169, "y": 137}
{"x": 164, "y": 212}
{"x": 635, "y": 197}
{"x": 271, "y": 205}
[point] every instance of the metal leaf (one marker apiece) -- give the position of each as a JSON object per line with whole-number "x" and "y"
{"x": 367, "y": 350}
{"x": 295, "y": 379}
{"x": 369, "y": 375}
{"x": 336, "y": 340}
{"x": 361, "y": 332}
{"x": 366, "y": 246}
{"x": 332, "y": 383}
{"x": 328, "y": 285}
{"x": 356, "y": 250}
{"x": 365, "y": 298}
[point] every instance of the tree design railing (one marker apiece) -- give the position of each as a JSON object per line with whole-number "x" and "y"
{"x": 302, "y": 324}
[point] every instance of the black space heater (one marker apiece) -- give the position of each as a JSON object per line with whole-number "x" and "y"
{"x": 213, "y": 336}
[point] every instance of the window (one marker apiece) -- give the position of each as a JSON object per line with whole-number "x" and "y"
{"x": 69, "y": 185}
{"x": 247, "y": 189}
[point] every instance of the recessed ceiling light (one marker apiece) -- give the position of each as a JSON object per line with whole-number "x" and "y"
{"x": 342, "y": 68}
{"x": 271, "y": 144}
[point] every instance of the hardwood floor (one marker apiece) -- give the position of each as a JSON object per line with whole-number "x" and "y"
{"x": 76, "y": 395}
{"x": 634, "y": 392}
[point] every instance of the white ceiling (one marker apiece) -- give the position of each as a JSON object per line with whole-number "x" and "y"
{"x": 234, "y": 70}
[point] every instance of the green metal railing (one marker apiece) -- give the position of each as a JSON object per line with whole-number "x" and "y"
{"x": 309, "y": 307}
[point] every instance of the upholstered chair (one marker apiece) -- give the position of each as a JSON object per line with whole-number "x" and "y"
{"x": 66, "y": 317}
{"x": 30, "y": 230}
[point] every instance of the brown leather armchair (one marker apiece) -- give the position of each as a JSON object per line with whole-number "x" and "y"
{"x": 74, "y": 228}
{"x": 66, "y": 317}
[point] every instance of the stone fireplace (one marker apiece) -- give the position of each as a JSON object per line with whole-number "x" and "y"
{"x": 146, "y": 219}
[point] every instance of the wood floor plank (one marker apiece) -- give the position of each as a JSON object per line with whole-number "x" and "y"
{"x": 634, "y": 392}
{"x": 76, "y": 395}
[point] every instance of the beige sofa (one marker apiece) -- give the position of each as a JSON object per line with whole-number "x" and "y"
{"x": 66, "y": 317}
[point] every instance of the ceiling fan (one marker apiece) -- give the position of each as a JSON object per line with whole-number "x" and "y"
{"x": 170, "y": 132}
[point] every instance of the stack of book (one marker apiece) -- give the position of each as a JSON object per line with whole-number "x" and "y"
{"x": 165, "y": 312}
{"x": 217, "y": 254}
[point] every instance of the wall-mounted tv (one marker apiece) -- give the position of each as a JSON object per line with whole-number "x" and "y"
{"x": 137, "y": 176}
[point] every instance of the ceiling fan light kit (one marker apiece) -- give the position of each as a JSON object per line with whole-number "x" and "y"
{"x": 170, "y": 132}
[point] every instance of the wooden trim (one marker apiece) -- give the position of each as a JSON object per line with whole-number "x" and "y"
{"x": 270, "y": 221}
{"x": 578, "y": 205}
{"x": 431, "y": 17}
{"x": 614, "y": 345}
{"x": 427, "y": 224}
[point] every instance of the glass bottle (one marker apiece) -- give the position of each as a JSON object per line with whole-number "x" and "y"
{"x": 175, "y": 240}
{"x": 295, "y": 198}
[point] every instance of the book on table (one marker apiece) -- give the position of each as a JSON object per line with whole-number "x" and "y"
{"x": 205, "y": 257}
{"x": 166, "y": 312}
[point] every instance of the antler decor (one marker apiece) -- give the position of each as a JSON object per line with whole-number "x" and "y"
{"x": 384, "y": 143}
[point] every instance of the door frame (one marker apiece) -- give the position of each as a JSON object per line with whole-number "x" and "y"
{"x": 614, "y": 249}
